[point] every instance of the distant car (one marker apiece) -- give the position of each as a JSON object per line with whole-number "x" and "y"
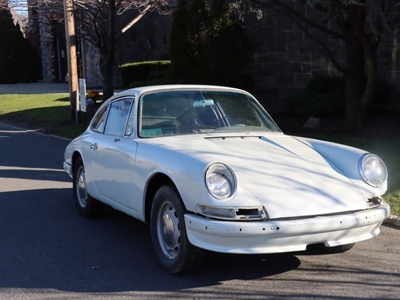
{"x": 208, "y": 169}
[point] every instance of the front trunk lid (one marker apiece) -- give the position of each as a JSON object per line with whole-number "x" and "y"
{"x": 289, "y": 178}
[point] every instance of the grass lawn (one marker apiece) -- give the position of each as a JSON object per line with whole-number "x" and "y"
{"x": 50, "y": 113}
{"x": 39, "y": 106}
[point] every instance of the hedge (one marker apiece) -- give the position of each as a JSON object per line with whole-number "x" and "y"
{"x": 144, "y": 71}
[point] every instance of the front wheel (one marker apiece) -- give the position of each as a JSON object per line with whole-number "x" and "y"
{"x": 338, "y": 249}
{"x": 86, "y": 204}
{"x": 321, "y": 249}
{"x": 168, "y": 233}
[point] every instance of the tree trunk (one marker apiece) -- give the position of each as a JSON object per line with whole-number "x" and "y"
{"x": 355, "y": 79}
{"x": 372, "y": 76}
{"x": 106, "y": 66}
{"x": 361, "y": 80}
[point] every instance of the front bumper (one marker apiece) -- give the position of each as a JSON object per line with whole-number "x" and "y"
{"x": 284, "y": 235}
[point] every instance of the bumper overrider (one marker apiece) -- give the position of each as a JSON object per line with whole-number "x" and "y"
{"x": 68, "y": 168}
{"x": 277, "y": 236}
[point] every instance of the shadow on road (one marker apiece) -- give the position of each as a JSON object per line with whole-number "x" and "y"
{"x": 47, "y": 245}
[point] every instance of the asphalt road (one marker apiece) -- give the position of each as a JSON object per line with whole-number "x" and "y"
{"x": 47, "y": 251}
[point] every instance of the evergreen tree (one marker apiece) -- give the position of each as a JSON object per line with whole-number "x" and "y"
{"x": 206, "y": 46}
{"x": 18, "y": 60}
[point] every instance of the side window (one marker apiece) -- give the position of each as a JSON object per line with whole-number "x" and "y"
{"x": 130, "y": 127}
{"x": 118, "y": 117}
{"x": 100, "y": 121}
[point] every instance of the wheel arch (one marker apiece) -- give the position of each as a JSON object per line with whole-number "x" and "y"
{"x": 74, "y": 157}
{"x": 157, "y": 181}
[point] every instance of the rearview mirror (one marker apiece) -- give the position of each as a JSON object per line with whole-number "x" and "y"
{"x": 205, "y": 102}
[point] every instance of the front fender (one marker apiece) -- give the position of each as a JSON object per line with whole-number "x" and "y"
{"x": 347, "y": 159}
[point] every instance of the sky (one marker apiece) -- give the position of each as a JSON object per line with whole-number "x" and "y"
{"x": 19, "y": 6}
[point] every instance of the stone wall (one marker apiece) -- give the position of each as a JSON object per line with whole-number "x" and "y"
{"x": 388, "y": 56}
{"x": 284, "y": 58}
{"x": 46, "y": 42}
{"x": 49, "y": 37}
{"x": 91, "y": 67}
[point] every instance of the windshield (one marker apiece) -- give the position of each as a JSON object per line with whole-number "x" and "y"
{"x": 193, "y": 112}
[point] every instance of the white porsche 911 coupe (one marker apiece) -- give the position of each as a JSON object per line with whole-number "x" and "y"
{"x": 208, "y": 169}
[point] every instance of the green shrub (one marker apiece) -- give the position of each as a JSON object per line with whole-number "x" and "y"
{"x": 144, "y": 71}
{"x": 147, "y": 82}
{"x": 323, "y": 96}
{"x": 206, "y": 45}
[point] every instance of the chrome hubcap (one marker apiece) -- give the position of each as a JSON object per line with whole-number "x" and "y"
{"x": 168, "y": 230}
{"x": 81, "y": 187}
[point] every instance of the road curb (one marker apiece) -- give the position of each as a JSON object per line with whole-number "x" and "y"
{"x": 34, "y": 131}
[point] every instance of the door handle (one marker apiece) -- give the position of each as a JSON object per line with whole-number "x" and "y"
{"x": 117, "y": 140}
{"x": 94, "y": 146}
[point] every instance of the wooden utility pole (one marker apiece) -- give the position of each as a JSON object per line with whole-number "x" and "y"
{"x": 71, "y": 53}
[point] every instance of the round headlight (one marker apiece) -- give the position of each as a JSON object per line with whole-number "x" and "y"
{"x": 373, "y": 170}
{"x": 220, "y": 181}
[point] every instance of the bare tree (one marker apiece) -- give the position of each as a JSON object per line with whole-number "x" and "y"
{"x": 104, "y": 22}
{"x": 361, "y": 24}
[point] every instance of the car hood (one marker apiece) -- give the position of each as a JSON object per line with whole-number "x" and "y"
{"x": 289, "y": 178}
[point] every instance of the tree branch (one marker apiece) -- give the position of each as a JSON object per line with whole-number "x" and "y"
{"x": 324, "y": 46}
{"x": 133, "y": 22}
{"x": 300, "y": 20}
{"x": 294, "y": 14}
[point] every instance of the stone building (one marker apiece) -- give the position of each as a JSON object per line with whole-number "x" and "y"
{"x": 46, "y": 32}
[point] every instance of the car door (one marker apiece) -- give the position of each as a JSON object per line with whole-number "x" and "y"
{"x": 113, "y": 156}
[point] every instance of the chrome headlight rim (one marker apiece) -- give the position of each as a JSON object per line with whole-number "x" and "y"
{"x": 233, "y": 213}
{"x": 364, "y": 160}
{"x": 218, "y": 176}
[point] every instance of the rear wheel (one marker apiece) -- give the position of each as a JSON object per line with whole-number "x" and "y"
{"x": 86, "y": 204}
{"x": 168, "y": 233}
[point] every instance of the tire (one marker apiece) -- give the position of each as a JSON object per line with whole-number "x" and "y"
{"x": 321, "y": 249}
{"x": 338, "y": 249}
{"x": 168, "y": 233}
{"x": 86, "y": 204}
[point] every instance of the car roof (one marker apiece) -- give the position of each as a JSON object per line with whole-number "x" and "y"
{"x": 172, "y": 87}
